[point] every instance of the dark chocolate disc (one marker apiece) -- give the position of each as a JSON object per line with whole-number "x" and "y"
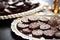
{"x": 33, "y": 18}
{"x": 58, "y": 21}
{"x": 43, "y": 19}
{"x": 20, "y": 25}
{"x": 37, "y": 33}
{"x": 52, "y": 22}
{"x": 49, "y": 33}
{"x": 57, "y": 34}
{"x": 45, "y": 26}
{"x": 26, "y": 31}
{"x": 34, "y": 25}
{"x": 25, "y": 20}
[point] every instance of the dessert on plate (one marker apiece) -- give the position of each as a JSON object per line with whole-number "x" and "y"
{"x": 39, "y": 27}
{"x": 16, "y": 6}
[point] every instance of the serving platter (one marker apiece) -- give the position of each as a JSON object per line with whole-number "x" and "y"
{"x": 17, "y": 32}
{"x": 41, "y": 6}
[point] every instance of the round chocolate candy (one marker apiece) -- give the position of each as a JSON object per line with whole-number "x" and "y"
{"x": 58, "y": 21}
{"x": 20, "y": 25}
{"x": 37, "y": 33}
{"x": 57, "y": 34}
{"x": 45, "y": 27}
{"x": 33, "y": 18}
{"x": 25, "y": 20}
{"x": 58, "y": 27}
{"x": 43, "y": 19}
{"x": 19, "y": 4}
{"x": 49, "y": 33}
{"x": 54, "y": 28}
{"x": 52, "y": 22}
{"x": 41, "y": 23}
{"x": 2, "y": 6}
{"x": 34, "y": 25}
{"x": 26, "y": 31}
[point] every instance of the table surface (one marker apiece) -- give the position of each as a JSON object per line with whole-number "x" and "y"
{"x": 5, "y": 30}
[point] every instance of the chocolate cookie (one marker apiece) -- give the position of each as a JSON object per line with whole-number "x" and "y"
{"x": 58, "y": 27}
{"x": 43, "y": 19}
{"x": 41, "y": 23}
{"x": 54, "y": 28}
{"x": 52, "y": 22}
{"x": 37, "y": 33}
{"x": 33, "y": 18}
{"x": 45, "y": 27}
{"x": 34, "y": 25}
{"x": 20, "y": 25}
{"x": 19, "y": 4}
{"x": 49, "y": 33}
{"x": 57, "y": 35}
{"x": 16, "y": 6}
{"x": 26, "y": 31}
{"x": 58, "y": 21}
{"x": 25, "y": 20}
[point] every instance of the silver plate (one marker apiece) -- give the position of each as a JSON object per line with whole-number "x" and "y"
{"x": 17, "y": 32}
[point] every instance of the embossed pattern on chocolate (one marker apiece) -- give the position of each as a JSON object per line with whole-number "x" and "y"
{"x": 37, "y": 33}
